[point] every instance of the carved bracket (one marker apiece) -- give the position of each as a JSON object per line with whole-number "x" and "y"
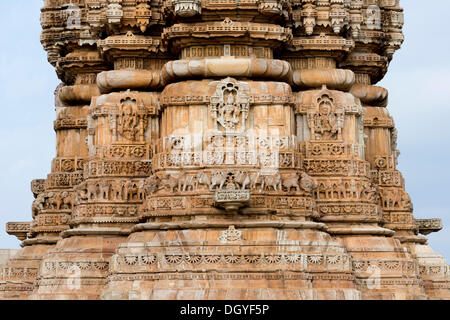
{"x": 427, "y": 226}
{"x": 232, "y": 200}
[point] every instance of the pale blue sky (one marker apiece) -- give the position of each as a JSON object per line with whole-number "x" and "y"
{"x": 418, "y": 82}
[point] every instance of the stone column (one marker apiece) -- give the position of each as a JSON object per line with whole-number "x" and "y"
{"x": 331, "y": 123}
{"x": 228, "y": 203}
{"x": 381, "y": 146}
{"x": 115, "y": 152}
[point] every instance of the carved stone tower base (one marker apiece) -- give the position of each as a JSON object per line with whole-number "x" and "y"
{"x": 223, "y": 150}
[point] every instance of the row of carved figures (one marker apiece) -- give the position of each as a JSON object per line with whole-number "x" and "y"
{"x": 357, "y": 190}
{"x": 53, "y": 200}
{"x": 230, "y": 180}
{"x": 110, "y": 190}
{"x": 393, "y": 198}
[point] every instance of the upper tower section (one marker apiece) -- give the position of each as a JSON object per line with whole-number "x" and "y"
{"x": 358, "y": 34}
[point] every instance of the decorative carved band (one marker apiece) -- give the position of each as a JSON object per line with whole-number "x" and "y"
{"x": 119, "y": 168}
{"x": 67, "y": 164}
{"x": 427, "y": 226}
{"x": 125, "y": 151}
{"x": 18, "y": 229}
{"x": 281, "y": 160}
{"x": 185, "y": 100}
{"x": 64, "y": 180}
{"x": 215, "y": 51}
{"x": 68, "y": 124}
{"x": 355, "y": 168}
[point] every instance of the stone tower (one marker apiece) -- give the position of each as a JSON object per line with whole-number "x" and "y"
{"x": 223, "y": 150}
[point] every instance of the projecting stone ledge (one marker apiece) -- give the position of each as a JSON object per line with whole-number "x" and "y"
{"x": 427, "y": 226}
{"x": 232, "y": 200}
{"x": 18, "y": 229}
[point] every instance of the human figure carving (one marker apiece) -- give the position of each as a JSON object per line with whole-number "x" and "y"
{"x": 128, "y": 120}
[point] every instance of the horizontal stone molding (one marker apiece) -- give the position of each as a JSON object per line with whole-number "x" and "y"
{"x": 63, "y": 180}
{"x": 263, "y": 99}
{"x": 18, "y": 229}
{"x": 338, "y": 79}
{"x": 360, "y": 230}
{"x": 118, "y": 168}
{"x": 333, "y": 167}
{"x": 78, "y": 94}
{"x": 370, "y": 95}
{"x": 434, "y": 270}
{"x": 237, "y": 224}
{"x": 278, "y": 70}
{"x": 50, "y": 240}
{"x": 21, "y": 273}
{"x": 99, "y": 231}
{"x": 108, "y": 81}
{"x": 87, "y": 268}
{"x": 108, "y": 210}
{"x": 325, "y": 149}
{"x": 331, "y": 43}
{"x": 228, "y": 67}
{"x": 349, "y": 209}
{"x": 125, "y": 151}
{"x": 154, "y": 262}
{"x": 22, "y": 286}
{"x": 228, "y": 28}
{"x": 70, "y": 124}
{"x": 220, "y": 159}
{"x": 69, "y": 164}
{"x": 259, "y": 204}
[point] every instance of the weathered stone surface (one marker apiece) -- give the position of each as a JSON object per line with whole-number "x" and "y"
{"x": 6, "y": 254}
{"x": 223, "y": 150}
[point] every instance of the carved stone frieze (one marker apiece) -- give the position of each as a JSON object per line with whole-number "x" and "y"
{"x": 230, "y": 140}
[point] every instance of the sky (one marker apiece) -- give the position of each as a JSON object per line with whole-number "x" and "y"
{"x": 418, "y": 81}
